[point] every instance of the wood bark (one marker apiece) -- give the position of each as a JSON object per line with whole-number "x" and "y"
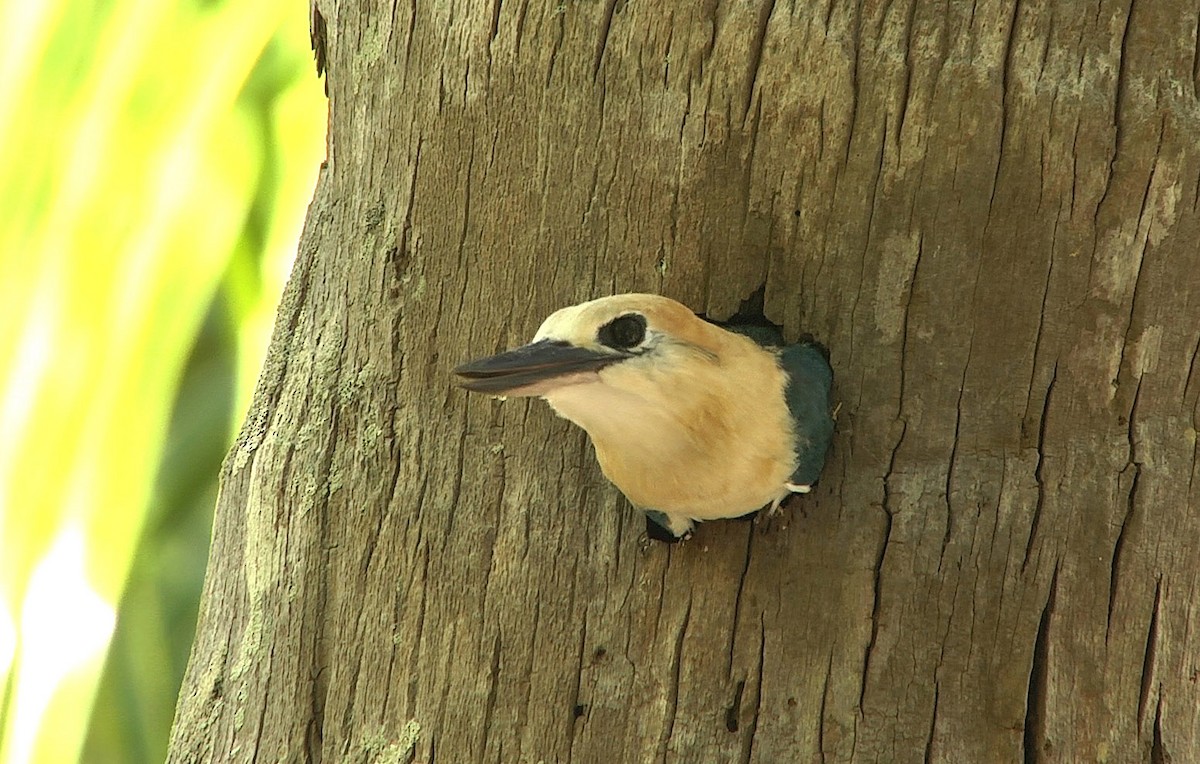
{"x": 988, "y": 211}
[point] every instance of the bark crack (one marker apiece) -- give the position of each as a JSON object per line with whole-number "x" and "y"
{"x": 1117, "y": 107}
{"x": 949, "y": 488}
{"x": 756, "y": 52}
{"x": 1037, "y": 470}
{"x": 1193, "y": 366}
{"x": 489, "y": 707}
{"x": 932, "y": 724}
{"x": 1037, "y": 340}
{"x": 558, "y": 13}
{"x": 821, "y": 713}
{"x": 1036, "y": 697}
{"x": 1005, "y": 73}
{"x": 1114, "y": 580}
{"x": 908, "y": 75}
{"x": 1122, "y": 81}
{"x": 1149, "y": 655}
{"x": 875, "y": 604}
{"x": 735, "y": 706}
{"x": 748, "y": 744}
{"x": 1196, "y": 62}
{"x": 495, "y": 27}
{"x": 737, "y": 601}
{"x": 1158, "y": 754}
{"x": 673, "y": 693}
{"x": 602, "y": 44}
{"x": 912, "y": 286}
{"x": 262, "y": 712}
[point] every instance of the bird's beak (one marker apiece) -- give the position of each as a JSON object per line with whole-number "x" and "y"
{"x": 533, "y": 369}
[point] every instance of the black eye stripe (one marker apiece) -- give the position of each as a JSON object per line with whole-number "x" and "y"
{"x": 623, "y": 332}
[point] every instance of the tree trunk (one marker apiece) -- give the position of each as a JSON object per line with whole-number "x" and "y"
{"x": 989, "y": 214}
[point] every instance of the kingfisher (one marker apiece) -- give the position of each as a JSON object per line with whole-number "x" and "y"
{"x": 691, "y": 419}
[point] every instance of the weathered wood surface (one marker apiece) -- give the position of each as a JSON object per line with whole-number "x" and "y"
{"x": 990, "y": 216}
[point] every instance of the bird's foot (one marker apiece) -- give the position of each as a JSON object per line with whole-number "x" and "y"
{"x": 658, "y": 529}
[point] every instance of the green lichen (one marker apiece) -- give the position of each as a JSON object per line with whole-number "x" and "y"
{"x": 379, "y": 748}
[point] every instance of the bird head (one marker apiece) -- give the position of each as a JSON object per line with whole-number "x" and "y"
{"x": 625, "y": 342}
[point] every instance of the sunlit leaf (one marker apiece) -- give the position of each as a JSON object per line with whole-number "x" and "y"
{"x": 131, "y": 165}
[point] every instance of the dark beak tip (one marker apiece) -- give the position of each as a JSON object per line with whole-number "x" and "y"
{"x": 529, "y": 364}
{"x": 474, "y": 368}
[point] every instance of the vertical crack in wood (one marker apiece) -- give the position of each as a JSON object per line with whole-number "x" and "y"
{"x": 1117, "y": 109}
{"x": 908, "y": 74}
{"x": 1193, "y": 367}
{"x": 904, "y": 322}
{"x": 748, "y": 742}
{"x": 1122, "y": 81}
{"x": 1158, "y": 753}
{"x": 821, "y": 712}
{"x": 1196, "y": 190}
{"x": 315, "y": 729}
{"x": 1148, "y": 656}
{"x": 264, "y": 704}
{"x": 559, "y": 14}
{"x": 1141, "y": 230}
{"x": 1114, "y": 579}
{"x": 1037, "y": 340}
{"x": 1006, "y": 69}
{"x": 519, "y": 34}
{"x": 489, "y": 706}
{"x": 412, "y": 27}
{"x": 602, "y": 44}
{"x": 932, "y": 724}
{"x": 756, "y": 53}
{"x": 1036, "y": 697}
{"x": 737, "y": 600}
{"x": 1196, "y": 66}
{"x": 735, "y": 706}
{"x": 495, "y": 25}
{"x": 880, "y": 554}
{"x": 949, "y": 488}
{"x": 1143, "y": 207}
{"x": 664, "y": 742}
{"x": 1037, "y": 470}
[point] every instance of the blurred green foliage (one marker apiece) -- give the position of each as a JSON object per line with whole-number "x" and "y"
{"x": 156, "y": 157}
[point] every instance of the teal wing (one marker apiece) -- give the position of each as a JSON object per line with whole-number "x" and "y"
{"x": 766, "y": 335}
{"x": 810, "y": 381}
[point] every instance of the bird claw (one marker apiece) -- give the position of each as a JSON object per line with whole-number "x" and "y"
{"x": 646, "y": 540}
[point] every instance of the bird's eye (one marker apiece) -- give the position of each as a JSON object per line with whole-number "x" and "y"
{"x": 624, "y": 332}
